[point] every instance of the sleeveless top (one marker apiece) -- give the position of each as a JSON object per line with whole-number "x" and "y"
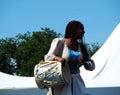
{"x": 73, "y": 61}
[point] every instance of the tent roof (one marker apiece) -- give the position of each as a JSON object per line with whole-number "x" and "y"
{"x": 107, "y": 61}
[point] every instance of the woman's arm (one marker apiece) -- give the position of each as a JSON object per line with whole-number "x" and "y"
{"x": 50, "y": 56}
{"x": 54, "y": 51}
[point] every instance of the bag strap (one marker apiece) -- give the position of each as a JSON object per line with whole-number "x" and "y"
{"x": 61, "y": 46}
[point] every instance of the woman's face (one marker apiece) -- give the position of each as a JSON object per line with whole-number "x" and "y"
{"x": 80, "y": 33}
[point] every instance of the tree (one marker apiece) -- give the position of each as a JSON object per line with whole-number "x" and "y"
{"x": 7, "y": 49}
{"x": 20, "y": 54}
{"x": 92, "y": 48}
{"x": 31, "y": 48}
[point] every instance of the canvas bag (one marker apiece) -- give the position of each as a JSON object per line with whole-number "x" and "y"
{"x": 48, "y": 74}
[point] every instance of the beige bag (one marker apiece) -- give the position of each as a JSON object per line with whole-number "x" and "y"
{"x": 48, "y": 74}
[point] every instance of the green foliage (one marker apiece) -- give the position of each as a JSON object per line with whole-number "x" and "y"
{"x": 92, "y": 48}
{"x": 19, "y": 55}
{"x": 7, "y": 49}
{"x": 25, "y": 51}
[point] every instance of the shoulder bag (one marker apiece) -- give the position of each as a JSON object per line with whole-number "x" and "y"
{"x": 48, "y": 74}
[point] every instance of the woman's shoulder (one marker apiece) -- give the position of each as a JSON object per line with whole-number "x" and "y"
{"x": 58, "y": 39}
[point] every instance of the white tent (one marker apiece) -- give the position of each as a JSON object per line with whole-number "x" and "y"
{"x": 16, "y": 82}
{"x": 106, "y": 73}
{"x": 107, "y": 61}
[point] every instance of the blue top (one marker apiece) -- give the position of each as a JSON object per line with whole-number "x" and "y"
{"x": 73, "y": 61}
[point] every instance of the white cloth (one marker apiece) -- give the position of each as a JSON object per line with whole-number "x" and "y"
{"x": 75, "y": 87}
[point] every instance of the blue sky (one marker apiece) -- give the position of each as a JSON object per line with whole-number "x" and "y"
{"x": 99, "y": 17}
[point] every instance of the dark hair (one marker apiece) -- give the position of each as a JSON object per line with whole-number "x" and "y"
{"x": 72, "y": 28}
{"x": 84, "y": 52}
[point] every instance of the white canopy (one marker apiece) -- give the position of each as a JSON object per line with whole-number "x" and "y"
{"x": 107, "y": 61}
{"x": 106, "y": 73}
{"x": 16, "y": 82}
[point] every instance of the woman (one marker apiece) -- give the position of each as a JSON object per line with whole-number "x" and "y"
{"x": 72, "y": 54}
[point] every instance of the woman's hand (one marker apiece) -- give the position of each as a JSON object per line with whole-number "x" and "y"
{"x": 60, "y": 59}
{"x": 81, "y": 61}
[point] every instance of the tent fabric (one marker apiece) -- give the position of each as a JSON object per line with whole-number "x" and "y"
{"x": 107, "y": 61}
{"x": 8, "y": 81}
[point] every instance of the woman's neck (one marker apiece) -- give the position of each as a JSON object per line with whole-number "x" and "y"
{"x": 72, "y": 43}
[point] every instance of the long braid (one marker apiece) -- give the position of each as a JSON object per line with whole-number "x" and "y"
{"x": 84, "y": 50}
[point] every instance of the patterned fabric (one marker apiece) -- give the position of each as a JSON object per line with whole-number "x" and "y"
{"x": 48, "y": 74}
